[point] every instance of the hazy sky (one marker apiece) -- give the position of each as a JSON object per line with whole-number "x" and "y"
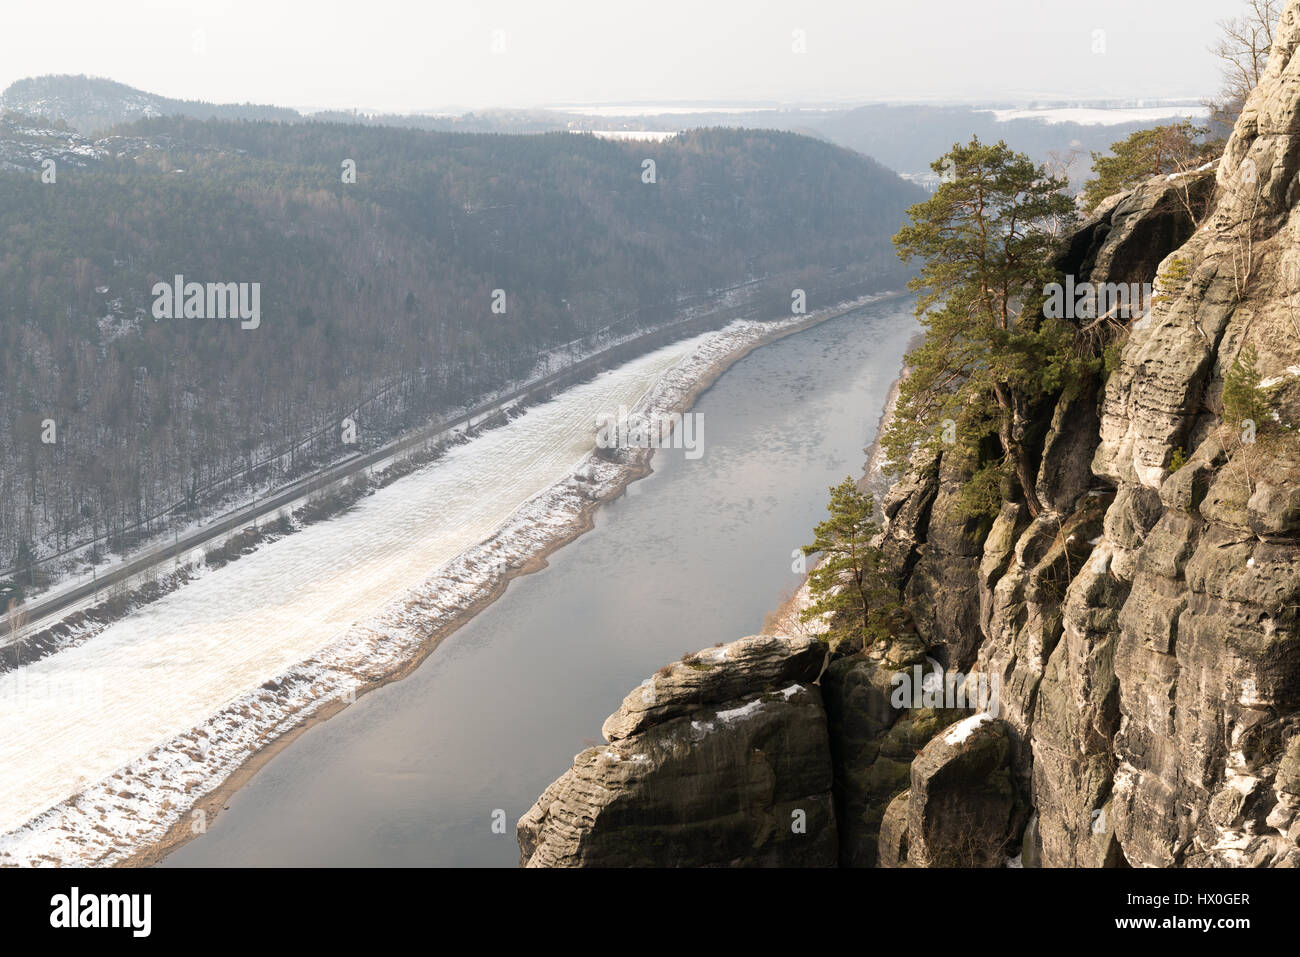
{"x": 408, "y": 55}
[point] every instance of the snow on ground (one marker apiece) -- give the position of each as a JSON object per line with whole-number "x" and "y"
{"x": 744, "y": 711}
{"x": 107, "y": 744}
{"x": 75, "y": 568}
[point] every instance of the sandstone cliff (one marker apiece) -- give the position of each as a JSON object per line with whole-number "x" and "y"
{"x": 1141, "y": 632}
{"x": 720, "y": 759}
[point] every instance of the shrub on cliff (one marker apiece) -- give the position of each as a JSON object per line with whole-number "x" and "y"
{"x": 1243, "y": 405}
{"x": 849, "y": 586}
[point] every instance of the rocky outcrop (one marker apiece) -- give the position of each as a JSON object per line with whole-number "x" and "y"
{"x": 1143, "y": 627}
{"x": 894, "y": 832}
{"x": 722, "y": 759}
{"x": 1206, "y": 655}
{"x": 941, "y": 590}
{"x": 962, "y": 807}
{"x": 724, "y": 673}
{"x": 875, "y": 736}
{"x": 998, "y": 599}
{"x": 1142, "y": 633}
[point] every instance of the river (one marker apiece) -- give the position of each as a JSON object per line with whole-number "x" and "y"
{"x": 424, "y": 771}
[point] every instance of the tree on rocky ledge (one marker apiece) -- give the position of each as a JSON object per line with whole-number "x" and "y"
{"x": 986, "y": 239}
{"x": 850, "y": 588}
{"x": 1172, "y": 148}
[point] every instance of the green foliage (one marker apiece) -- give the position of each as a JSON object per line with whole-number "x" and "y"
{"x": 850, "y": 585}
{"x": 1112, "y": 356}
{"x": 985, "y": 491}
{"x": 1173, "y": 278}
{"x": 1242, "y": 401}
{"x": 1176, "y": 273}
{"x": 988, "y": 354}
{"x": 1172, "y": 148}
{"x": 1179, "y": 459}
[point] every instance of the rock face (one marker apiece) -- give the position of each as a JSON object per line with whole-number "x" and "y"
{"x": 1007, "y": 600}
{"x": 1141, "y": 634}
{"x": 1206, "y": 657}
{"x": 873, "y": 744}
{"x": 723, "y": 760}
{"x": 1143, "y": 628}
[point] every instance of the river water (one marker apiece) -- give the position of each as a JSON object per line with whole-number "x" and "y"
{"x": 435, "y": 770}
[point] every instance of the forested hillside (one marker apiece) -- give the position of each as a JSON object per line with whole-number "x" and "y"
{"x": 382, "y": 286}
{"x": 90, "y": 103}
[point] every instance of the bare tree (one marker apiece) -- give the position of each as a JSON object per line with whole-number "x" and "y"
{"x": 1196, "y": 205}
{"x": 1243, "y": 52}
{"x": 1060, "y": 164}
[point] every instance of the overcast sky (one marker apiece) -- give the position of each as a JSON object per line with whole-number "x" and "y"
{"x": 434, "y": 54}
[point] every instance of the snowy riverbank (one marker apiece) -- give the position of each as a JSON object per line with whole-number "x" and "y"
{"x": 146, "y": 727}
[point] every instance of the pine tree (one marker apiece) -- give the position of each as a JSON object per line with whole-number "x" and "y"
{"x": 1173, "y": 148}
{"x": 1242, "y": 402}
{"x": 850, "y": 585}
{"x": 988, "y": 355}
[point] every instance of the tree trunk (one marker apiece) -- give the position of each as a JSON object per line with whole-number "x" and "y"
{"x": 1013, "y": 447}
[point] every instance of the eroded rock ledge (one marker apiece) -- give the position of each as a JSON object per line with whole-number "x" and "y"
{"x": 1143, "y": 631}
{"x": 719, "y": 760}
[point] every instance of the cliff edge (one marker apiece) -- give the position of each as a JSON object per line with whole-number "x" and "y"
{"x": 1139, "y": 635}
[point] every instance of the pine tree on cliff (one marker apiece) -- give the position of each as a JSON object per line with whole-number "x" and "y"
{"x": 986, "y": 239}
{"x": 1243, "y": 404}
{"x": 1173, "y": 148}
{"x": 849, "y": 586}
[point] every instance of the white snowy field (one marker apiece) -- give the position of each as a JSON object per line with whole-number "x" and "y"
{"x": 1103, "y": 117}
{"x": 107, "y": 744}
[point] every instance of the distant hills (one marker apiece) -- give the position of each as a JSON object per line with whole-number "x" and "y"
{"x": 93, "y": 104}
{"x": 905, "y": 138}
